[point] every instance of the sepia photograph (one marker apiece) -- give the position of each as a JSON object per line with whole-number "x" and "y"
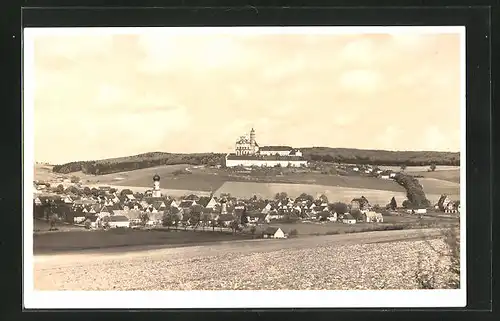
{"x": 244, "y": 167}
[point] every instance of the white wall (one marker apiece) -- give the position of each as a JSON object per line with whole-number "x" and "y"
{"x": 271, "y": 152}
{"x": 269, "y": 163}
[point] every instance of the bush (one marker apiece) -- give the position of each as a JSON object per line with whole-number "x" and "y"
{"x": 293, "y": 232}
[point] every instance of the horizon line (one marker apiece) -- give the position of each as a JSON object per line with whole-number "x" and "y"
{"x": 222, "y": 152}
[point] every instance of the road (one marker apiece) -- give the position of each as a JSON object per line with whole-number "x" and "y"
{"x": 235, "y": 247}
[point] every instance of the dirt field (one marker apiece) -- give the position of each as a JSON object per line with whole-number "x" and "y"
{"x": 377, "y": 260}
{"x": 334, "y": 193}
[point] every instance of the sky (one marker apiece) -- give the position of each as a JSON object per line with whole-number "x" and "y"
{"x": 102, "y": 95}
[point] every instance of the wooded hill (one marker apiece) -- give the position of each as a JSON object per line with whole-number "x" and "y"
{"x": 325, "y": 154}
{"x": 381, "y": 157}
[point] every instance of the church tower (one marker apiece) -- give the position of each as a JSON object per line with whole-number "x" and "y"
{"x": 252, "y": 141}
{"x": 156, "y": 186}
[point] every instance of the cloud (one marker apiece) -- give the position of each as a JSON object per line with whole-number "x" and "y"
{"x": 188, "y": 93}
{"x": 361, "y": 81}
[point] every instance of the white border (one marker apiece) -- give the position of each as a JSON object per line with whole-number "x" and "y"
{"x": 223, "y": 299}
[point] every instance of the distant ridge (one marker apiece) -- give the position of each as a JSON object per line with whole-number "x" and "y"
{"x": 325, "y": 154}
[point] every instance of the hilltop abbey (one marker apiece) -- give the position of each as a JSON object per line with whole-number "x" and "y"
{"x": 247, "y": 152}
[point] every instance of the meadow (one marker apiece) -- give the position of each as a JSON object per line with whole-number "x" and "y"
{"x": 390, "y": 222}
{"x": 116, "y": 239}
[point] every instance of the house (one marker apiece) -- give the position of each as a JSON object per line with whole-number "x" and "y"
{"x": 274, "y": 215}
{"x": 130, "y": 197}
{"x": 384, "y": 177}
{"x": 79, "y": 217}
{"x": 94, "y": 221}
{"x": 273, "y": 233}
{"x": 348, "y": 219}
{"x": 360, "y": 203}
{"x": 392, "y": 175}
{"x": 443, "y": 202}
{"x": 379, "y": 217}
{"x": 171, "y": 203}
{"x": 184, "y": 204}
{"x": 212, "y": 203}
{"x": 67, "y": 199}
{"x": 356, "y": 169}
{"x": 267, "y": 208}
{"x": 332, "y": 217}
{"x": 192, "y": 197}
{"x": 134, "y": 216}
{"x": 452, "y": 208}
{"x": 118, "y": 221}
{"x": 155, "y": 219}
{"x": 369, "y": 216}
{"x": 226, "y": 219}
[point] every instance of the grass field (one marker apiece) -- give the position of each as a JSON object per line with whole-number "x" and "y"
{"x": 452, "y": 175}
{"x": 317, "y": 228}
{"x": 438, "y": 186}
{"x": 119, "y": 238}
{"x": 205, "y": 180}
{"x": 418, "y": 169}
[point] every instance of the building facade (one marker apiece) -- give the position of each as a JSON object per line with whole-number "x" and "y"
{"x": 248, "y": 153}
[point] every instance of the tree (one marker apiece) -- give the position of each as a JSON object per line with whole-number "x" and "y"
{"x": 220, "y": 224}
{"x": 403, "y": 167}
{"x": 87, "y": 191}
{"x": 433, "y": 167}
{"x": 75, "y": 179}
{"x": 144, "y": 218}
{"x": 281, "y": 196}
{"x": 323, "y": 198}
{"x": 194, "y": 218}
{"x": 53, "y": 221}
{"x": 126, "y": 192}
{"x": 252, "y": 230}
{"x": 357, "y": 214}
{"x": 60, "y": 188}
{"x": 213, "y": 224}
{"x": 340, "y": 208}
{"x": 406, "y": 204}
{"x": 203, "y": 201}
{"x": 105, "y": 222}
{"x": 167, "y": 220}
{"x": 112, "y": 190}
{"x": 234, "y": 226}
{"x": 305, "y": 197}
{"x": 95, "y": 192}
{"x": 393, "y": 204}
{"x": 87, "y": 224}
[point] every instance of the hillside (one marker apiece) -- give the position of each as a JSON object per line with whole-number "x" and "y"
{"x": 381, "y": 157}
{"x": 326, "y": 154}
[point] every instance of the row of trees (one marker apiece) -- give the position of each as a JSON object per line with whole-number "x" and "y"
{"x": 414, "y": 191}
{"x": 380, "y": 157}
{"x": 138, "y": 162}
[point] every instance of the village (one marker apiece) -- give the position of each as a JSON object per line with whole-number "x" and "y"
{"x": 106, "y": 207}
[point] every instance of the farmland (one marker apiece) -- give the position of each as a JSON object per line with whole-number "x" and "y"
{"x": 177, "y": 182}
{"x": 334, "y": 193}
{"x": 372, "y": 260}
{"x": 390, "y": 222}
{"x": 70, "y": 241}
{"x": 451, "y": 175}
